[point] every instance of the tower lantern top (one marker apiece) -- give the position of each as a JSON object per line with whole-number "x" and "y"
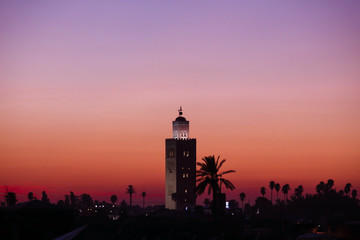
{"x": 180, "y": 118}
{"x": 180, "y": 126}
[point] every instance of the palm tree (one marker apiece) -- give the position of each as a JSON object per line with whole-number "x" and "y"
{"x": 30, "y": 196}
{"x": 285, "y": 189}
{"x": 209, "y": 176}
{"x": 242, "y": 198}
{"x": 298, "y": 191}
{"x": 277, "y": 189}
{"x": 130, "y": 190}
{"x": 347, "y": 188}
{"x": 113, "y": 199}
{"x": 263, "y": 191}
{"x": 143, "y": 194}
{"x": 271, "y": 186}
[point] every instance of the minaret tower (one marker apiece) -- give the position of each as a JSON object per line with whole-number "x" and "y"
{"x": 180, "y": 167}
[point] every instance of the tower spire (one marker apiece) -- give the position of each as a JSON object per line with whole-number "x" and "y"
{"x": 180, "y": 111}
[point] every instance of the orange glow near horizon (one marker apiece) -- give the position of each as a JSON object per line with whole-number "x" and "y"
{"x": 105, "y": 159}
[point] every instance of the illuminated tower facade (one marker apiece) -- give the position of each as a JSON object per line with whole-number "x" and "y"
{"x": 180, "y": 167}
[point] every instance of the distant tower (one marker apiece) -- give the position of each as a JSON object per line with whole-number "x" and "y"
{"x": 180, "y": 167}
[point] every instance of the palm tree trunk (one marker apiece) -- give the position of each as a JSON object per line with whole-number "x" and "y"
{"x": 143, "y": 202}
{"x": 271, "y": 195}
{"x": 215, "y": 203}
{"x": 130, "y": 199}
{"x": 243, "y": 206}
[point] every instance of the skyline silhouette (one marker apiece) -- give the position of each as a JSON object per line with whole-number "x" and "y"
{"x": 202, "y": 189}
{"x": 88, "y": 91}
{"x": 328, "y": 214}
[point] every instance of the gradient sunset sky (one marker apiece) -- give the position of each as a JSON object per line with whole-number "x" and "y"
{"x": 88, "y": 91}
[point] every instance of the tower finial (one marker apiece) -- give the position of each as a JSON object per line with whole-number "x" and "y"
{"x": 180, "y": 111}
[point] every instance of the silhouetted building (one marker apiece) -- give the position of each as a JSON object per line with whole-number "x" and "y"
{"x": 180, "y": 167}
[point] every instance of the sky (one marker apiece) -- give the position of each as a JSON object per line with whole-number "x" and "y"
{"x": 89, "y": 89}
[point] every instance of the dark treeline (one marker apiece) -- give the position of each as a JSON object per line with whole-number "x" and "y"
{"x": 275, "y": 214}
{"x": 324, "y": 192}
{"x": 71, "y": 200}
{"x": 327, "y": 200}
{"x": 278, "y": 213}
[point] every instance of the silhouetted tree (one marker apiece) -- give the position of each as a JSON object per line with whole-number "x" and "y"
{"x": 285, "y": 189}
{"x": 320, "y": 188}
{"x": 30, "y": 196}
{"x": 263, "y": 204}
{"x": 72, "y": 199}
{"x": 263, "y": 191}
{"x": 242, "y": 198}
{"x": 130, "y": 190}
{"x": 354, "y": 193}
{"x": 277, "y": 189}
{"x": 113, "y": 199}
{"x": 298, "y": 191}
{"x": 341, "y": 193}
{"x": 86, "y": 200}
{"x": 123, "y": 204}
{"x": 271, "y": 186}
{"x": 207, "y": 202}
{"x": 209, "y": 176}
{"x": 143, "y": 194}
{"x": 60, "y": 203}
{"x": 347, "y": 189}
{"x": 67, "y": 200}
{"x": 10, "y": 198}
{"x": 329, "y": 185}
{"x": 247, "y": 208}
{"x": 123, "y": 207}
{"x": 44, "y": 197}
